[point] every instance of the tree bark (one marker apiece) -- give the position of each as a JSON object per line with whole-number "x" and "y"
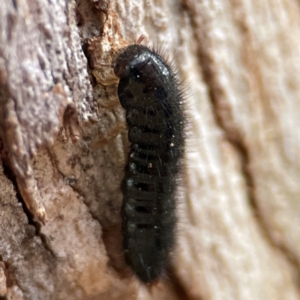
{"x": 64, "y": 146}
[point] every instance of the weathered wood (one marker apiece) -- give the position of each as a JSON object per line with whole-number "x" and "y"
{"x": 64, "y": 146}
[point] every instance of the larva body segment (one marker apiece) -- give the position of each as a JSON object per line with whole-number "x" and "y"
{"x": 149, "y": 92}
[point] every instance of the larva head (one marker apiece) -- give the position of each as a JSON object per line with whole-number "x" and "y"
{"x": 138, "y": 61}
{"x": 132, "y": 58}
{"x": 145, "y": 78}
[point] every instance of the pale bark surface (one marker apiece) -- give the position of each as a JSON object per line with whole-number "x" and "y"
{"x": 64, "y": 146}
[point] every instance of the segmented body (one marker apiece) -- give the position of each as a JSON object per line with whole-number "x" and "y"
{"x": 149, "y": 93}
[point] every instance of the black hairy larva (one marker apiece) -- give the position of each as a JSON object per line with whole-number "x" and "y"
{"x": 150, "y": 94}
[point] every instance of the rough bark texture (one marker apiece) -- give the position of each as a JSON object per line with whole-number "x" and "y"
{"x": 64, "y": 145}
